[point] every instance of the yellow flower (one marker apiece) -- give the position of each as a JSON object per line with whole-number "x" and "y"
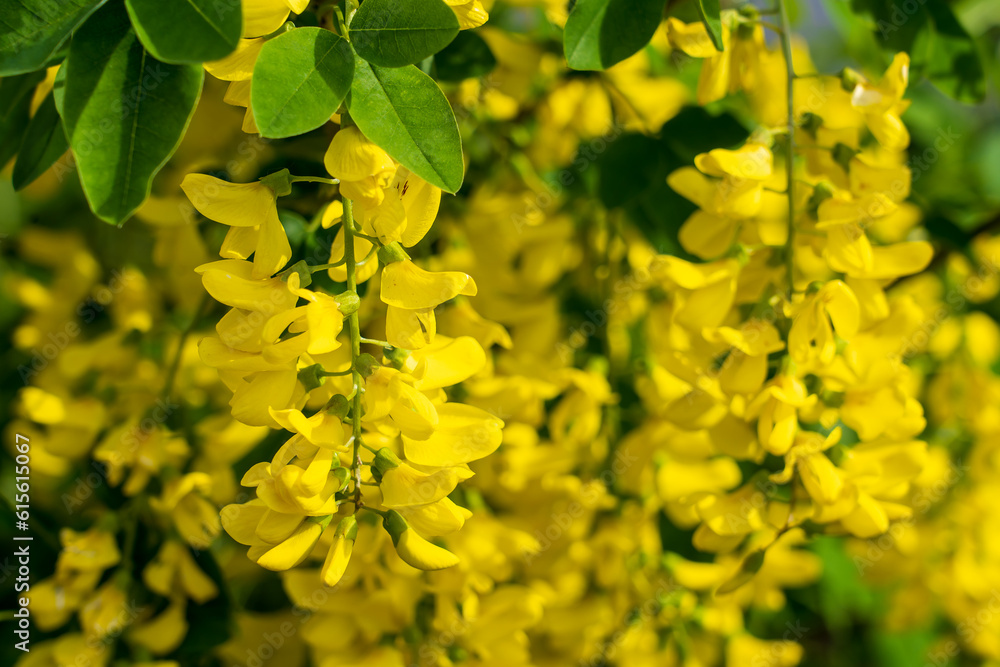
{"x": 470, "y": 13}
{"x": 173, "y": 569}
{"x": 413, "y": 549}
{"x": 363, "y": 168}
{"x": 883, "y": 104}
{"x": 231, "y": 281}
{"x": 464, "y": 433}
{"x": 106, "y": 612}
{"x": 745, "y": 650}
{"x": 403, "y": 485}
{"x": 339, "y": 554}
{"x": 405, "y": 285}
{"x": 92, "y": 550}
{"x": 194, "y": 516}
{"x": 745, "y": 369}
{"x": 250, "y": 210}
{"x": 162, "y": 634}
{"x": 703, "y": 293}
{"x": 811, "y": 334}
{"x": 295, "y": 548}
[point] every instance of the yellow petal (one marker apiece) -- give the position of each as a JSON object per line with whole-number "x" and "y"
{"x": 272, "y": 251}
{"x": 230, "y": 281}
{"x": 691, "y": 38}
{"x": 234, "y": 204}
{"x": 405, "y": 486}
{"x": 352, "y": 157}
{"x": 447, "y": 362}
{"x": 464, "y": 433}
{"x": 405, "y": 285}
{"x": 421, "y": 201}
{"x": 415, "y": 550}
{"x": 410, "y": 329}
{"x": 750, "y": 161}
{"x": 262, "y": 17}
{"x": 238, "y": 65}
{"x": 293, "y": 550}
{"x": 436, "y": 519}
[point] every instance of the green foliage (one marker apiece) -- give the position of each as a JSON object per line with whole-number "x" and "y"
{"x": 633, "y": 171}
{"x": 939, "y": 46}
{"x": 600, "y": 33}
{"x": 466, "y": 57}
{"x": 403, "y": 111}
{"x": 124, "y": 112}
{"x": 393, "y": 34}
{"x": 299, "y": 81}
{"x": 188, "y": 31}
{"x": 44, "y": 142}
{"x": 709, "y": 11}
{"x": 33, "y": 30}
{"x": 15, "y": 99}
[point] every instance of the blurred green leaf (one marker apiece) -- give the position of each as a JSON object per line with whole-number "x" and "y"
{"x": 710, "y": 16}
{"x": 15, "y": 104}
{"x": 44, "y": 143}
{"x": 939, "y": 46}
{"x": 466, "y": 57}
{"x": 600, "y": 33}
{"x": 842, "y": 594}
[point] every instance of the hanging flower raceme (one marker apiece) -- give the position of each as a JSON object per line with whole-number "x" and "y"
{"x": 285, "y": 364}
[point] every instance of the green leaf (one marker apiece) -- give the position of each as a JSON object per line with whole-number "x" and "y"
{"x": 187, "y": 31}
{"x": 59, "y": 89}
{"x": 15, "y": 103}
{"x": 389, "y": 33}
{"x": 710, "y": 16}
{"x": 940, "y": 48}
{"x": 628, "y": 168}
{"x": 403, "y": 111}
{"x": 951, "y": 60}
{"x": 466, "y": 57}
{"x": 299, "y": 81}
{"x": 123, "y": 111}
{"x": 31, "y": 31}
{"x": 44, "y": 143}
{"x": 600, "y": 33}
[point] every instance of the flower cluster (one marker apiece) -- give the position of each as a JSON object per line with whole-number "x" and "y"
{"x": 354, "y": 420}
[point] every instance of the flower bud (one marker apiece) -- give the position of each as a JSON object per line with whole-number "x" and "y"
{"x": 413, "y": 549}
{"x": 348, "y": 302}
{"x": 339, "y": 554}
{"x": 366, "y": 365}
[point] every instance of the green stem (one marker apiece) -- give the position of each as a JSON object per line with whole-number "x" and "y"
{"x": 175, "y": 365}
{"x": 786, "y": 45}
{"x": 323, "y": 267}
{"x": 355, "y": 329}
{"x": 314, "y": 179}
{"x": 328, "y": 374}
{"x": 380, "y": 343}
